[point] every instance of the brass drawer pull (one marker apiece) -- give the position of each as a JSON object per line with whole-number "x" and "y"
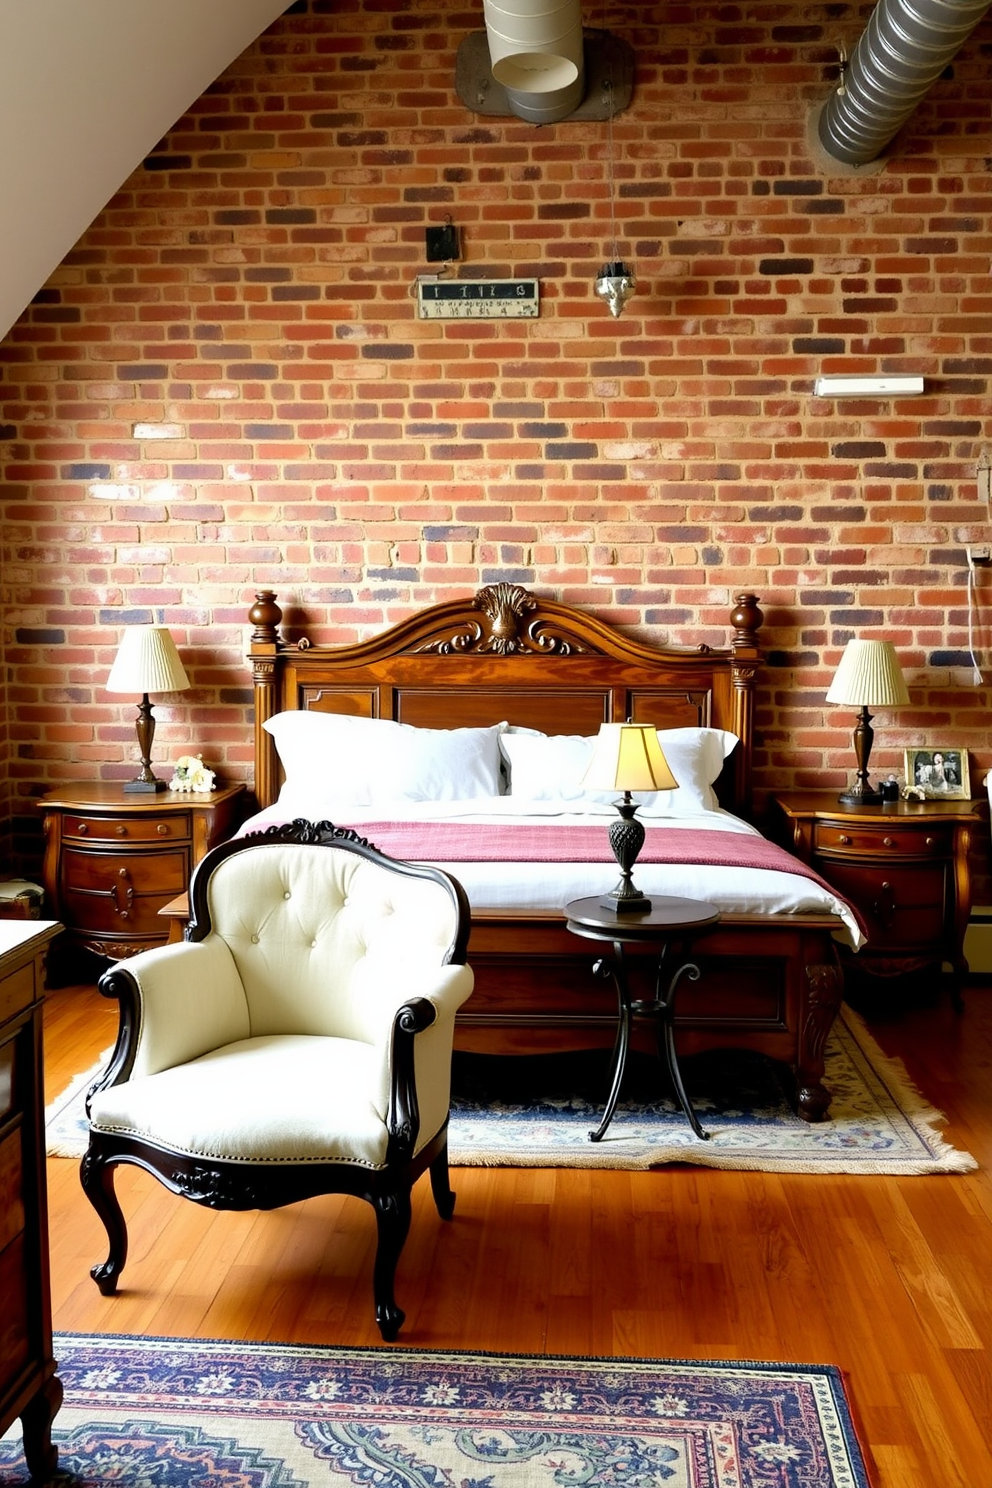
{"x": 121, "y": 830}
{"x": 844, "y": 841}
{"x": 162, "y": 829}
{"x": 888, "y": 842}
{"x": 122, "y": 893}
{"x": 885, "y": 906}
{"x": 82, "y": 829}
{"x": 931, "y": 842}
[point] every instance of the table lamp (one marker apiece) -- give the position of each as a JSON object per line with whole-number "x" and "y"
{"x": 869, "y": 676}
{"x": 627, "y": 757}
{"x": 146, "y": 661}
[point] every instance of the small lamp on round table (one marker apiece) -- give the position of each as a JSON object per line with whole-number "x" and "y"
{"x": 627, "y": 757}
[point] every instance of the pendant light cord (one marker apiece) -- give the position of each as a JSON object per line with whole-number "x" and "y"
{"x": 615, "y": 250}
{"x": 610, "y": 88}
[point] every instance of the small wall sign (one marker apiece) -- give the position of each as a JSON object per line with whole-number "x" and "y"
{"x": 477, "y": 299}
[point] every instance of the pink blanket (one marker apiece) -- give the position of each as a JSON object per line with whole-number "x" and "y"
{"x": 550, "y": 842}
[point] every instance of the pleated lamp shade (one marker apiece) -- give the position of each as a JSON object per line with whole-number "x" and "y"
{"x": 147, "y": 661}
{"x": 628, "y": 757}
{"x": 869, "y": 675}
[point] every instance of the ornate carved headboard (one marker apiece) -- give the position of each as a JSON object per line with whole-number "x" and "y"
{"x": 507, "y": 653}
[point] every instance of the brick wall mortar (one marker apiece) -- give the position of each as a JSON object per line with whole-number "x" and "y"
{"x": 225, "y": 385}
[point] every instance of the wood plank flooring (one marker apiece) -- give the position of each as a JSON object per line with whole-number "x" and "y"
{"x": 891, "y": 1279}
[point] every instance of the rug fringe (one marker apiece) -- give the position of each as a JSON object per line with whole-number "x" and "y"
{"x": 908, "y": 1095}
{"x": 946, "y": 1160}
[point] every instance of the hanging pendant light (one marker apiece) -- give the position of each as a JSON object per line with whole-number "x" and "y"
{"x": 616, "y": 281}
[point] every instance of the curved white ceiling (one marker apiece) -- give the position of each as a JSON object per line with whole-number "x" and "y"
{"x": 87, "y": 88}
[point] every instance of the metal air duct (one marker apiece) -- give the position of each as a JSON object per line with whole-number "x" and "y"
{"x": 535, "y": 47}
{"x": 902, "y": 51}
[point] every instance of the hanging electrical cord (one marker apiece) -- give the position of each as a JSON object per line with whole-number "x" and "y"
{"x": 615, "y": 282}
{"x": 976, "y": 671}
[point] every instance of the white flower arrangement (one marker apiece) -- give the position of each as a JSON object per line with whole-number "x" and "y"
{"x": 191, "y": 774}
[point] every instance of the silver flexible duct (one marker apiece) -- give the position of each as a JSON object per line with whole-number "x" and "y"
{"x": 537, "y": 55}
{"x": 902, "y": 51}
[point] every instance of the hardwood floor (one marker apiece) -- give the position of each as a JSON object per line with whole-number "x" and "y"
{"x": 891, "y": 1279}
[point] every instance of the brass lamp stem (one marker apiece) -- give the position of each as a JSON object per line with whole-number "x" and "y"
{"x": 145, "y": 729}
{"x": 862, "y": 791}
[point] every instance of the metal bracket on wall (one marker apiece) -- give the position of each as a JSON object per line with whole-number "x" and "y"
{"x": 609, "y": 72}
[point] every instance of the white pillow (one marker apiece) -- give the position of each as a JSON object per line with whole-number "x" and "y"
{"x": 550, "y": 767}
{"x": 372, "y": 761}
{"x": 695, "y": 757}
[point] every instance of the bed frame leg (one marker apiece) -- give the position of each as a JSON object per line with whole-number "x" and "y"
{"x": 824, "y": 994}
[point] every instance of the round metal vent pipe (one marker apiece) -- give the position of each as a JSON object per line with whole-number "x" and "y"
{"x": 902, "y": 51}
{"x": 536, "y": 51}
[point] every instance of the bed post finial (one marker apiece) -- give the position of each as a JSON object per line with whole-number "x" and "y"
{"x": 746, "y": 619}
{"x": 265, "y": 616}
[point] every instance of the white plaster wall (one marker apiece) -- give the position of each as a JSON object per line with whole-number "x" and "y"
{"x": 87, "y": 88}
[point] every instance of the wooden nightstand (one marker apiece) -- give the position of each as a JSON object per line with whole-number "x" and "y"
{"x": 905, "y": 866}
{"x": 112, "y": 860}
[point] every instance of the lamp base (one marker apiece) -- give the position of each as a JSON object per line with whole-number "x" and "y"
{"x": 860, "y": 795}
{"x": 628, "y": 904}
{"x": 626, "y": 840}
{"x": 144, "y": 787}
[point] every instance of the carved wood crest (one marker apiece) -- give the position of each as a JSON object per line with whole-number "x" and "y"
{"x": 506, "y": 630}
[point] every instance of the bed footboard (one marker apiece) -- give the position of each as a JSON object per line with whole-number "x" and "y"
{"x": 767, "y": 987}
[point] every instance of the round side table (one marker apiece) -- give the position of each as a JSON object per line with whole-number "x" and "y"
{"x": 670, "y": 923}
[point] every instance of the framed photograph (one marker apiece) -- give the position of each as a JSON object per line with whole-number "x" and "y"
{"x": 941, "y": 773}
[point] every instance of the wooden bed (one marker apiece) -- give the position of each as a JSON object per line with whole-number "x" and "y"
{"x": 770, "y": 983}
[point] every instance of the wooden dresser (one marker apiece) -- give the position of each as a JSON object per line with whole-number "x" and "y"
{"x": 29, "y": 1386}
{"x": 905, "y": 865}
{"x": 113, "y": 859}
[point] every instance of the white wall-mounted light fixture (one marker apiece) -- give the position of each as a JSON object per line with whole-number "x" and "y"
{"x": 893, "y": 385}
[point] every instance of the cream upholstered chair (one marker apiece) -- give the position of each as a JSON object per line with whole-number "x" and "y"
{"x": 297, "y": 1042}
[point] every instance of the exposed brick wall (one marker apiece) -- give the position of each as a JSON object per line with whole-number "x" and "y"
{"x": 225, "y": 385}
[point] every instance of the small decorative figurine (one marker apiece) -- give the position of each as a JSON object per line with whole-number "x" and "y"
{"x": 191, "y": 774}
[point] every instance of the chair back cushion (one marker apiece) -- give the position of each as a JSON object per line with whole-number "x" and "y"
{"x": 316, "y": 931}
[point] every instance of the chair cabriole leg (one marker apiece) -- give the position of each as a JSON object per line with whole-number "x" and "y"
{"x": 97, "y": 1178}
{"x": 393, "y": 1212}
{"x": 444, "y": 1197}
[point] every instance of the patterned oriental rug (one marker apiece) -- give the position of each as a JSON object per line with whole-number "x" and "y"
{"x": 172, "y": 1413}
{"x": 538, "y": 1111}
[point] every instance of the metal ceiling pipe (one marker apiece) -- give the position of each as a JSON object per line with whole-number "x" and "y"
{"x": 902, "y": 51}
{"x": 535, "y": 47}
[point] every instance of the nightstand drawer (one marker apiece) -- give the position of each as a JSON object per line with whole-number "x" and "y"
{"x": 175, "y": 826}
{"x": 122, "y": 895}
{"x": 927, "y": 840}
{"x": 916, "y": 886}
{"x": 905, "y": 908}
{"x": 903, "y": 929}
{"x": 163, "y": 873}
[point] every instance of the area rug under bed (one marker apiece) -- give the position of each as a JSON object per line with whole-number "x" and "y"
{"x": 176, "y": 1413}
{"x": 538, "y": 1111}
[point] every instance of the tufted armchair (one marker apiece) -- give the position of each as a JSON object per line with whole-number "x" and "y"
{"x": 297, "y": 1042}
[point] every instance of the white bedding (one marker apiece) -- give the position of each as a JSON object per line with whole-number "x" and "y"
{"x": 550, "y": 885}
